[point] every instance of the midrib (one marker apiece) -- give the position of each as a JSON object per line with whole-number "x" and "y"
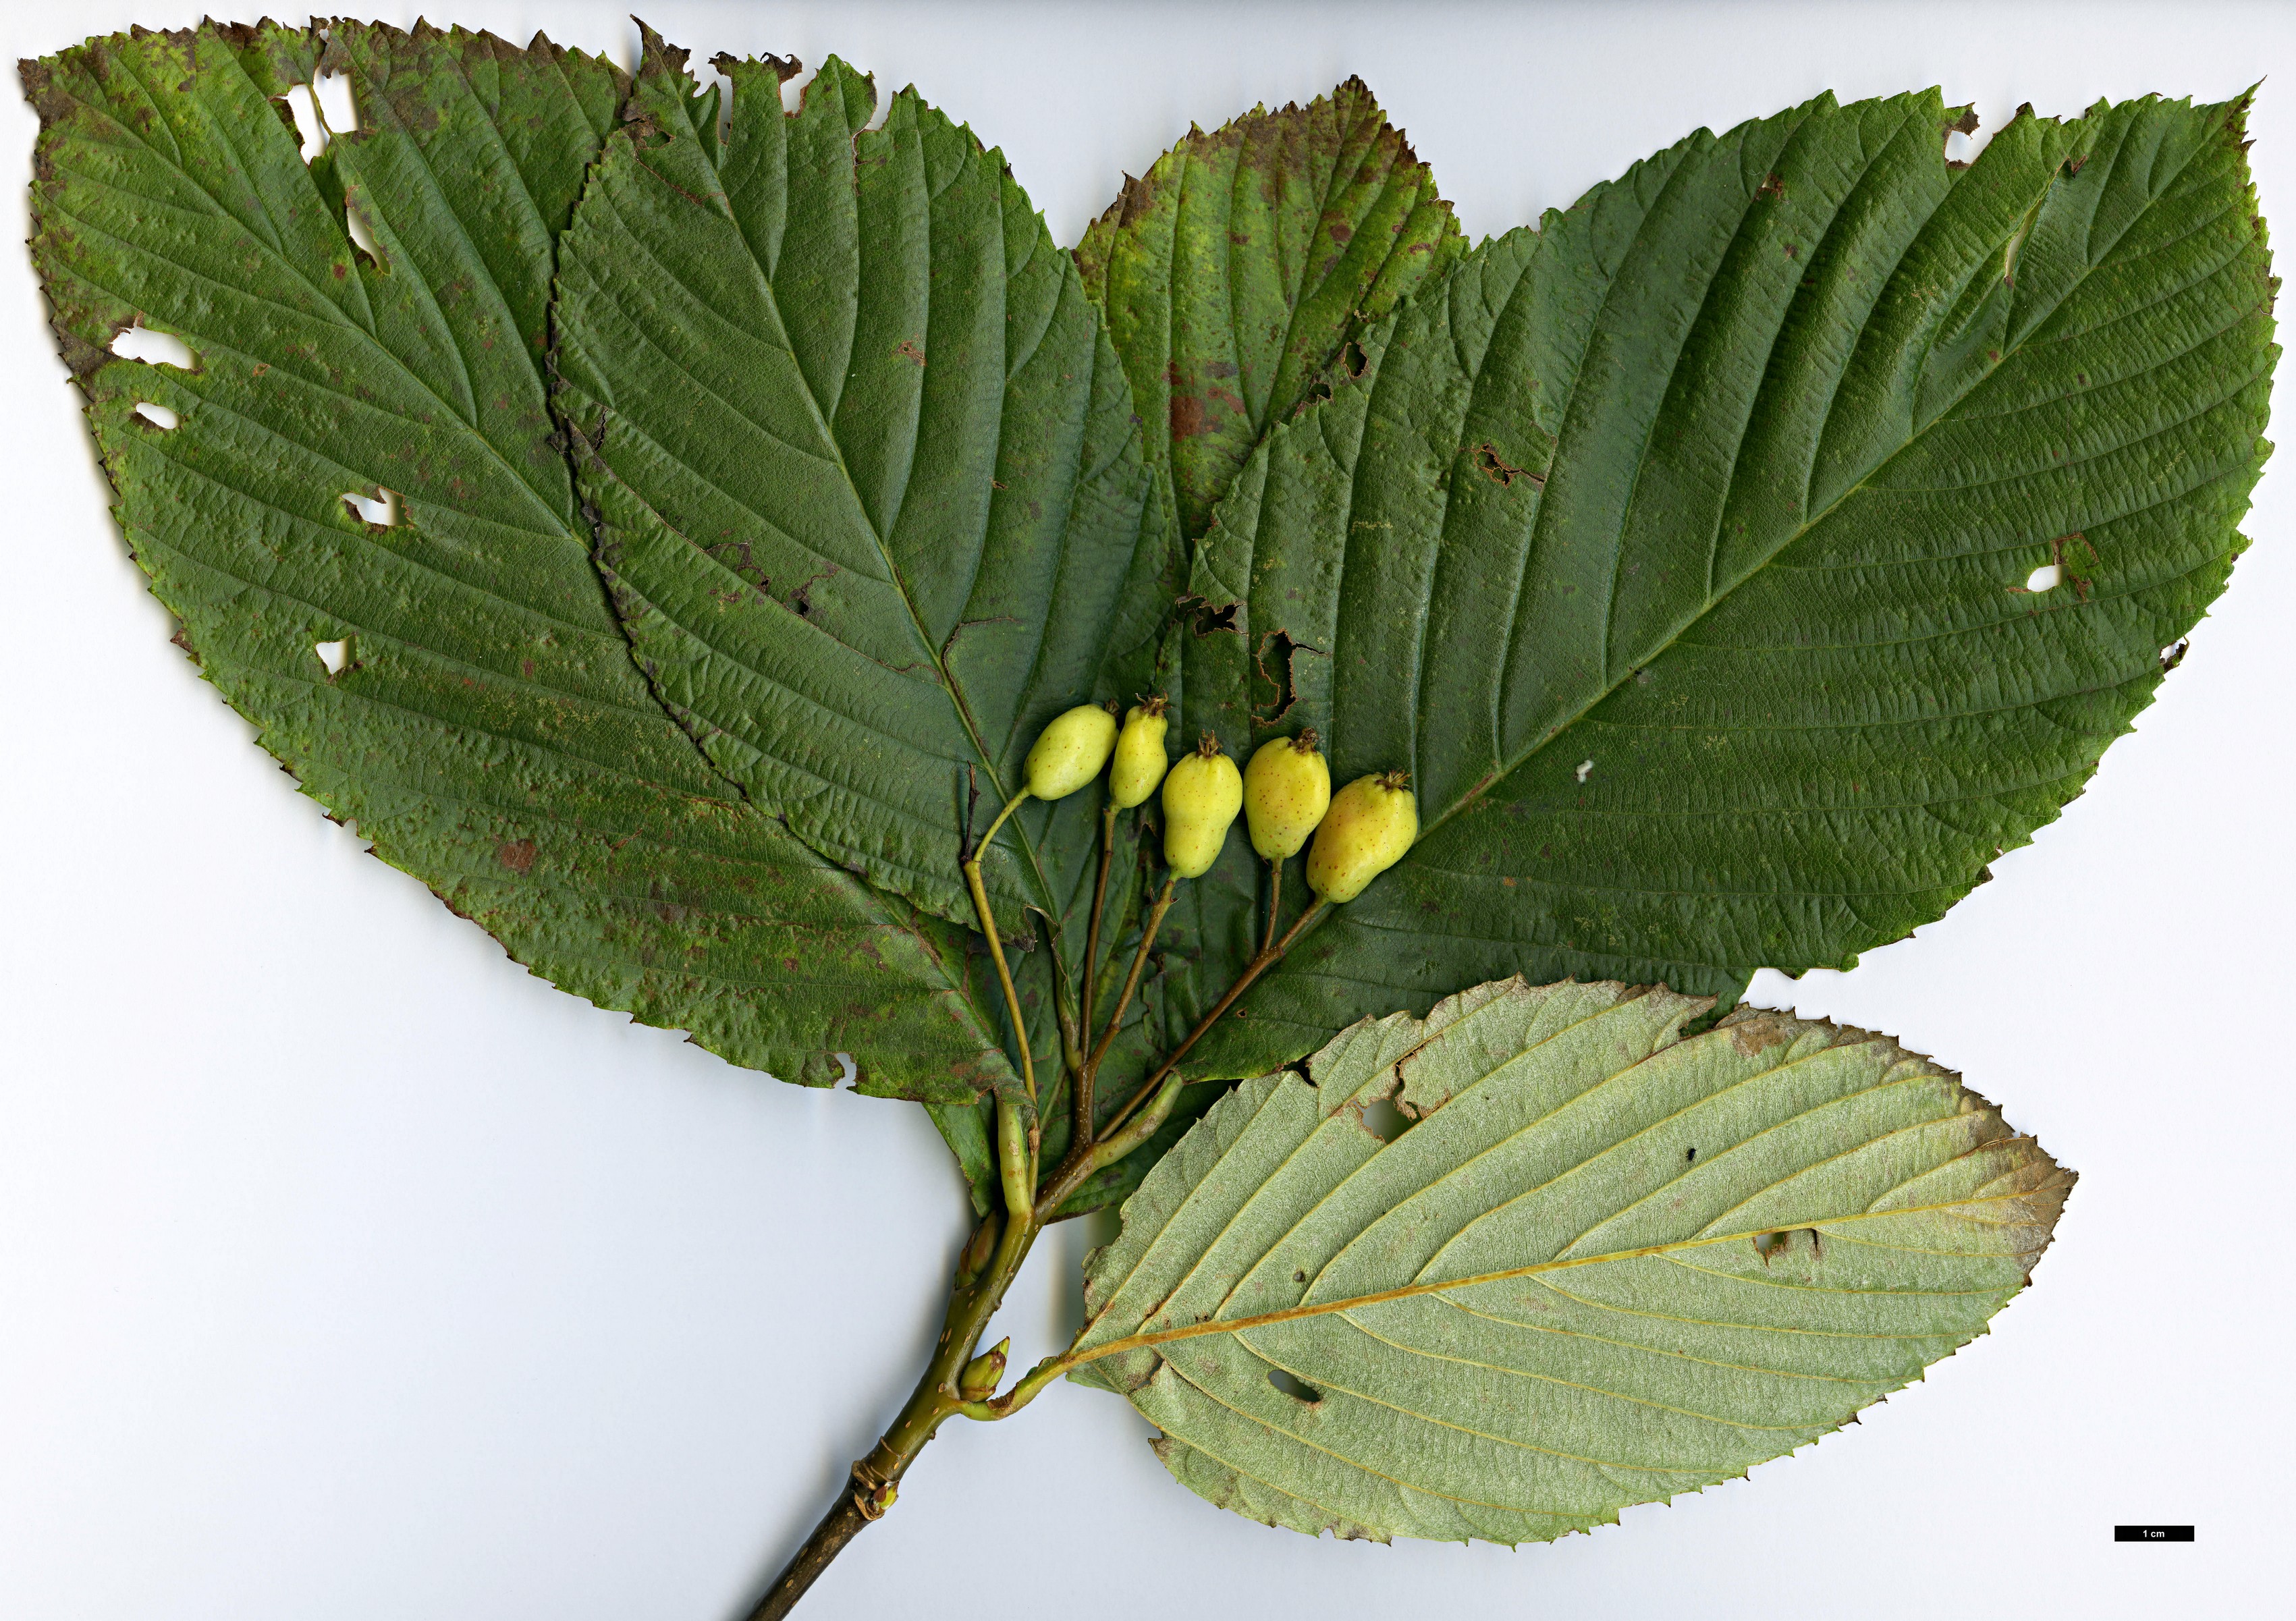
{"x": 1231, "y": 1325}
{"x": 932, "y": 654}
{"x": 1508, "y": 767}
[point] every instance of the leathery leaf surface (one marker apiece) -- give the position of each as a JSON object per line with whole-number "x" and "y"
{"x": 1679, "y": 549}
{"x": 487, "y": 729}
{"x": 1602, "y": 1265}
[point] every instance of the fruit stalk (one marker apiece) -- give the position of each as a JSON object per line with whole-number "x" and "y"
{"x": 996, "y": 947}
{"x": 1164, "y": 899}
{"x": 1081, "y": 1096}
{"x": 1258, "y": 965}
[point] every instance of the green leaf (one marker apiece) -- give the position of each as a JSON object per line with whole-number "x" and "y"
{"x": 1678, "y": 549}
{"x": 1232, "y": 276}
{"x": 868, "y": 493}
{"x": 1234, "y": 271}
{"x": 1600, "y": 1266}
{"x": 869, "y": 496}
{"x": 486, "y": 728}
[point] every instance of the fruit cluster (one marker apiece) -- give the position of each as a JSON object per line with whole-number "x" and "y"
{"x": 1285, "y": 793}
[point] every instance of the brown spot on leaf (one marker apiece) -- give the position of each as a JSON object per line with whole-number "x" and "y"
{"x": 1187, "y": 416}
{"x": 1757, "y": 1034}
{"x": 1137, "y": 197}
{"x": 516, "y": 854}
{"x": 909, "y": 350}
{"x": 1772, "y": 188}
{"x": 1498, "y": 469}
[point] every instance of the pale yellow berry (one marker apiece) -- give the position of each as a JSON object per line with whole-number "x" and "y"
{"x": 1371, "y": 825}
{"x": 1286, "y": 790}
{"x": 1139, "y": 764}
{"x": 1201, "y": 795}
{"x": 1069, "y": 752}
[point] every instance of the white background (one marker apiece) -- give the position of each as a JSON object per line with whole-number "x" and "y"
{"x": 347, "y": 1270}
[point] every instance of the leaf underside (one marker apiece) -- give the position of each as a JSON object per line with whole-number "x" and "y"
{"x": 487, "y": 730}
{"x": 1602, "y": 1265}
{"x": 1678, "y": 549}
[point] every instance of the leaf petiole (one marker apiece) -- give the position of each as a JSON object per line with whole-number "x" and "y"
{"x": 973, "y": 1303}
{"x": 1024, "y": 1392}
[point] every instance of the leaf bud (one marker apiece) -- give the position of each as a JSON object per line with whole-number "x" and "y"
{"x": 1286, "y": 790}
{"x": 978, "y": 1249}
{"x": 1069, "y": 752}
{"x": 1371, "y": 825}
{"x": 984, "y": 1373}
{"x": 1201, "y": 795}
{"x": 1139, "y": 754}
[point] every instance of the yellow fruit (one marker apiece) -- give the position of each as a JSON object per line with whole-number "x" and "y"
{"x": 1201, "y": 795}
{"x": 1139, "y": 754}
{"x": 1371, "y": 824}
{"x": 1069, "y": 752}
{"x": 1286, "y": 790}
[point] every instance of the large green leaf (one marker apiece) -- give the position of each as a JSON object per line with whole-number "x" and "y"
{"x": 1601, "y": 1266}
{"x": 1234, "y": 271}
{"x": 1679, "y": 548}
{"x": 869, "y": 494}
{"x": 868, "y": 491}
{"x": 487, "y": 729}
{"x": 1232, "y": 276}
